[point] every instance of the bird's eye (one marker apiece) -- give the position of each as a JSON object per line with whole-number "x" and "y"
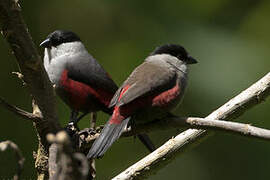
{"x": 180, "y": 56}
{"x": 55, "y": 41}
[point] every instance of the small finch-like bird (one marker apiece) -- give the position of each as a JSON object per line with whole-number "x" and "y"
{"x": 150, "y": 92}
{"x": 79, "y": 80}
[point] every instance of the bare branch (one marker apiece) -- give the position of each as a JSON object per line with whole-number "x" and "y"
{"x": 87, "y": 136}
{"x": 4, "y": 145}
{"x": 92, "y": 162}
{"x": 65, "y": 163}
{"x": 255, "y": 94}
{"x": 14, "y": 30}
{"x": 52, "y": 161}
{"x": 19, "y": 112}
{"x": 201, "y": 123}
{"x": 233, "y": 127}
{"x": 20, "y": 76}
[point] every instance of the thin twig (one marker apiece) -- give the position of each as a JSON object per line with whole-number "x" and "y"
{"x": 19, "y": 112}
{"x": 93, "y": 120}
{"x": 20, "y": 76}
{"x": 20, "y": 159}
{"x": 233, "y": 127}
{"x": 91, "y": 162}
{"x": 255, "y": 94}
{"x": 201, "y": 123}
{"x": 175, "y": 122}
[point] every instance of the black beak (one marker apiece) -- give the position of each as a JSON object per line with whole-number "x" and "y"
{"x": 46, "y": 43}
{"x": 191, "y": 60}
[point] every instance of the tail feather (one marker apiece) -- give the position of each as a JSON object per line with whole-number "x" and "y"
{"x": 144, "y": 138}
{"x": 110, "y": 133}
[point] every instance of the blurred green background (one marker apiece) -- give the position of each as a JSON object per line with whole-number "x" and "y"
{"x": 229, "y": 38}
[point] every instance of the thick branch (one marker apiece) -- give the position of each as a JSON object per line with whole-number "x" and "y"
{"x": 232, "y": 109}
{"x": 20, "y": 159}
{"x": 16, "y": 33}
{"x": 65, "y": 163}
{"x": 19, "y": 112}
{"x": 14, "y": 30}
{"x": 52, "y": 161}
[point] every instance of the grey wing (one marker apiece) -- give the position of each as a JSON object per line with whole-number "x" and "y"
{"x": 87, "y": 70}
{"x": 146, "y": 79}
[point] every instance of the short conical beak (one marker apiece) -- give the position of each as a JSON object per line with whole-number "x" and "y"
{"x": 46, "y": 43}
{"x": 191, "y": 60}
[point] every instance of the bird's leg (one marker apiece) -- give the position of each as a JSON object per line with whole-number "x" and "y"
{"x": 73, "y": 118}
{"x": 81, "y": 116}
{"x": 144, "y": 138}
{"x": 131, "y": 125}
{"x": 92, "y": 128}
{"x": 93, "y": 120}
{"x": 72, "y": 127}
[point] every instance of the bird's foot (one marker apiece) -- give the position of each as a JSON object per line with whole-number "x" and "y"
{"x": 72, "y": 128}
{"x": 88, "y": 131}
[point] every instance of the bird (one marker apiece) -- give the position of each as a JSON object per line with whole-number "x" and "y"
{"x": 77, "y": 77}
{"x": 151, "y": 91}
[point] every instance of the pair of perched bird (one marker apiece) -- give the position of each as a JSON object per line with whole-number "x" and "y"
{"x": 150, "y": 92}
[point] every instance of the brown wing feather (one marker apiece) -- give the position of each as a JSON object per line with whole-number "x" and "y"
{"x": 146, "y": 79}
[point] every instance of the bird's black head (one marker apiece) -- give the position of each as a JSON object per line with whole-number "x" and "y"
{"x": 58, "y": 37}
{"x": 175, "y": 50}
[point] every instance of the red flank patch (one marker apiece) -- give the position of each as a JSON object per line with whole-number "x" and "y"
{"x": 79, "y": 92}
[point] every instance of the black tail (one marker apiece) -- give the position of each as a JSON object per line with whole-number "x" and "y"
{"x": 109, "y": 134}
{"x": 144, "y": 138}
